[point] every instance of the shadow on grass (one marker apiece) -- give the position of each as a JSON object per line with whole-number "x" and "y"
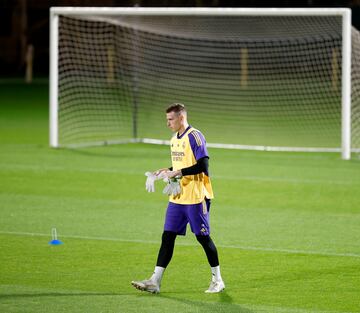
{"x": 221, "y": 302}
{"x": 59, "y": 294}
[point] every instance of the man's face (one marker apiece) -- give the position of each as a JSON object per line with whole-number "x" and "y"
{"x": 174, "y": 121}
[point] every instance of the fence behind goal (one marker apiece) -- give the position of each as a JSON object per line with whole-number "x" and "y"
{"x": 261, "y": 81}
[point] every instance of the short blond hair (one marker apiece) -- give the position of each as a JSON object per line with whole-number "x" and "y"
{"x": 177, "y": 108}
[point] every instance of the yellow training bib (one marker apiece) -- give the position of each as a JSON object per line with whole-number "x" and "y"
{"x": 185, "y": 151}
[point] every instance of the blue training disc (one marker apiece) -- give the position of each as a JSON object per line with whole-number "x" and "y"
{"x": 55, "y": 242}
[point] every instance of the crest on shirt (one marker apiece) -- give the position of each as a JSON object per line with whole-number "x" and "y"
{"x": 183, "y": 145}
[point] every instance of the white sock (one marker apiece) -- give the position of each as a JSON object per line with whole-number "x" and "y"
{"x": 215, "y": 273}
{"x": 158, "y": 273}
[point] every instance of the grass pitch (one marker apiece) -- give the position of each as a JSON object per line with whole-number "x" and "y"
{"x": 287, "y": 226}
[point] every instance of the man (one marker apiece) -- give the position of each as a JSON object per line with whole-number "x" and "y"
{"x": 190, "y": 161}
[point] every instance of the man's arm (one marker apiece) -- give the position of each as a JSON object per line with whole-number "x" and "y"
{"x": 201, "y": 166}
{"x": 165, "y": 169}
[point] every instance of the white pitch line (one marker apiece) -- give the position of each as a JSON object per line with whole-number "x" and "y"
{"x": 39, "y": 167}
{"x": 250, "y": 248}
{"x": 287, "y": 180}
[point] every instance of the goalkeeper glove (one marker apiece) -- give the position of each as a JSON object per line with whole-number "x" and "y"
{"x": 173, "y": 186}
{"x": 150, "y": 181}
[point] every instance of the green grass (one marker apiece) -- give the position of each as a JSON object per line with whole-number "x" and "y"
{"x": 286, "y": 226}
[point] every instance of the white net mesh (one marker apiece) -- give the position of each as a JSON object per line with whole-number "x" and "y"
{"x": 355, "y": 90}
{"x": 269, "y": 81}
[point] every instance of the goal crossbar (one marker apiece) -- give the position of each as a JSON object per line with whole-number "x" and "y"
{"x": 199, "y": 11}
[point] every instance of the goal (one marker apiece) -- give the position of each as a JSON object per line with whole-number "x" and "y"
{"x": 265, "y": 79}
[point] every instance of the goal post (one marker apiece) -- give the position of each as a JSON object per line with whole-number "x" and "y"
{"x": 112, "y": 70}
{"x": 54, "y": 81}
{"x": 346, "y": 86}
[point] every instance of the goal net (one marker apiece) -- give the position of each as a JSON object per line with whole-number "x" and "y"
{"x": 262, "y": 81}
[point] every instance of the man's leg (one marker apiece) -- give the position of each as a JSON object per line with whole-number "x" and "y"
{"x": 175, "y": 224}
{"x": 210, "y": 249}
{"x": 166, "y": 248}
{"x": 164, "y": 256}
{"x": 200, "y": 225}
{"x": 217, "y": 283}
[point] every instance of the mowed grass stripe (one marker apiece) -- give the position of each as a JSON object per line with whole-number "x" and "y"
{"x": 58, "y": 300}
{"x": 256, "y": 281}
{"x": 353, "y": 255}
{"x": 39, "y": 167}
{"x": 285, "y": 229}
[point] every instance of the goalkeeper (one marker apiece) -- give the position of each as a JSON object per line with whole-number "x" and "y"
{"x": 189, "y": 192}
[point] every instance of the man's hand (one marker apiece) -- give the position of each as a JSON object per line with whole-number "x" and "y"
{"x": 161, "y": 170}
{"x": 173, "y": 174}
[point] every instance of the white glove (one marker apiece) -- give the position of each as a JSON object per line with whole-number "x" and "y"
{"x": 172, "y": 187}
{"x": 150, "y": 181}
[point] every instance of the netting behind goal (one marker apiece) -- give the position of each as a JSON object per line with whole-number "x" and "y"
{"x": 246, "y": 80}
{"x": 355, "y": 90}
